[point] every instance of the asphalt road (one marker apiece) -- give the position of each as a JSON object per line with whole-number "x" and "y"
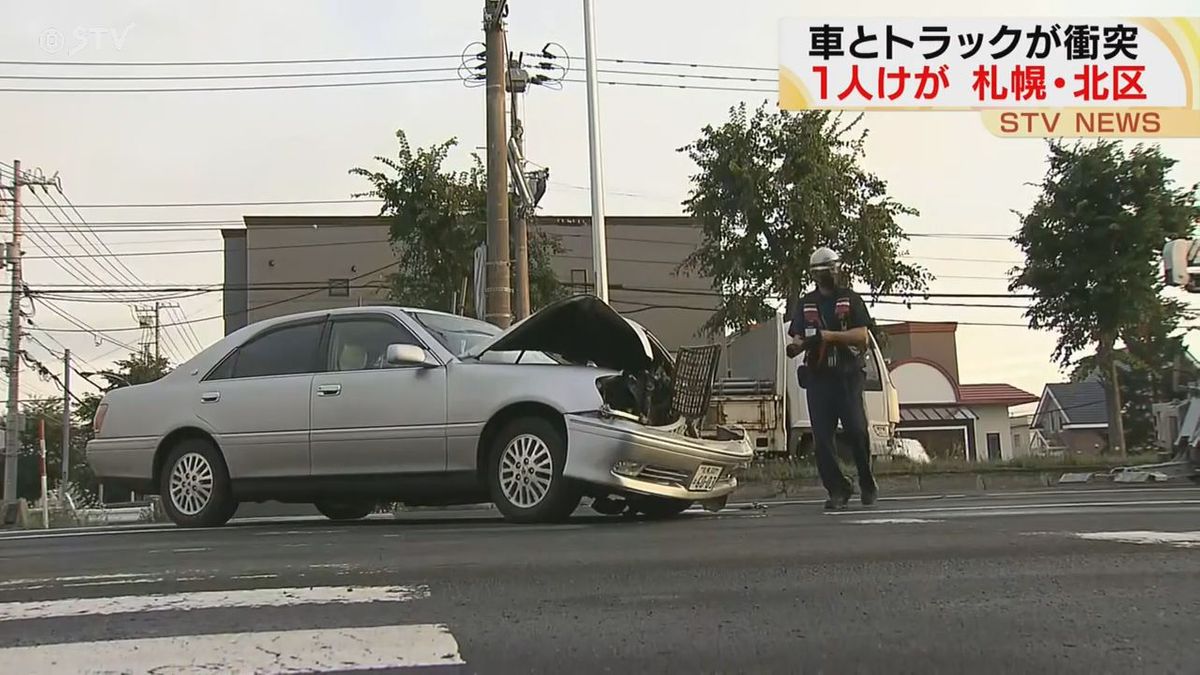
{"x": 1087, "y": 581}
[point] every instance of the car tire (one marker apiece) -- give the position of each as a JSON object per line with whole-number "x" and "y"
{"x": 194, "y": 485}
{"x": 658, "y": 508}
{"x": 526, "y": 454}
{"x": 335, "y": 510}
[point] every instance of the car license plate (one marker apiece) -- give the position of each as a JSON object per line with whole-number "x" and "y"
{"x": 706, "y": 478}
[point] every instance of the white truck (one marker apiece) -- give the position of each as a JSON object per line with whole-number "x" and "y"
{"x": 757, "y": 389}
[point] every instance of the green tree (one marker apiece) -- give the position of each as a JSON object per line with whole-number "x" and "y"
{"x": 770, "y": 189}
{"x": 438, "y": 218}
{"x": 1092, "y": 242}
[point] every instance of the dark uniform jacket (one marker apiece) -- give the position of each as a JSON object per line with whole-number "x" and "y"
{"x": 842, "y": 310}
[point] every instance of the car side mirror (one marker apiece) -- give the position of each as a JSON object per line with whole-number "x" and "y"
{"x": 407, "y": 355}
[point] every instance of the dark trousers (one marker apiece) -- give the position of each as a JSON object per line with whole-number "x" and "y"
{"x": 833, "y": 396}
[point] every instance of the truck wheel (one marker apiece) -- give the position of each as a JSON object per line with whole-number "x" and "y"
{"x": 339, "y": 510}
{"x": 194, "y": 485}
{"x": 661, "y": 508}
{"x": 525, "y": 473}
{"x": 800, "y": 445}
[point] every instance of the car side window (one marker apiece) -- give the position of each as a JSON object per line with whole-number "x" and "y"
{"x": 874, "y": 379}
{"x": 224, "y": 369}
{"x": 287, "y": 351}
{"x": 361, "y": 343}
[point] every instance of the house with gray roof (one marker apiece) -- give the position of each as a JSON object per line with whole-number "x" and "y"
{"x": 1073, "y": 417}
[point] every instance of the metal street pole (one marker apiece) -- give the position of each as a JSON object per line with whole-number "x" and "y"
{"x": 42, "y": 465}
{"x": 66, "y": 422}
{"x": 599, "y": 243}
{"x": 520, "y": 225}
{"x": 498, "y": 292}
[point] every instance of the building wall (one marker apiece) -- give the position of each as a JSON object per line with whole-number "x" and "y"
{"x": 1022, "y": 436}
{"x": 1167, "y": 424}
{"x": 922, "y": 383}
{"x": 294, "y": 252}
{"x": 932, "y": 341}
{"x": 643, "y": 254}
{"x": 993, "y": 419}
{"x": 1084, "y": 441}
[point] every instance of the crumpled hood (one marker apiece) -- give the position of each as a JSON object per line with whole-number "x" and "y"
{"x": 582, "y": 328}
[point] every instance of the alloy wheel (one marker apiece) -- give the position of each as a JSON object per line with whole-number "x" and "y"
{"x": 526, "y": 470}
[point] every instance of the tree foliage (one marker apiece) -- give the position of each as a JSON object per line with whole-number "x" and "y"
{"x": 1092, "y": 242}
{"x": 438, "y": 218}
{"x": 772, "y": 187}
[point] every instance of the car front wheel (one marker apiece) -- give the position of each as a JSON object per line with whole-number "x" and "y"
{"x": 194, "y": 485}
{"x": 525, "y": 473}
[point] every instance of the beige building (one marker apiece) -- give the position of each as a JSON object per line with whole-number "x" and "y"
{"x": 949, "y": 418}
{"x": 280, "y": 265}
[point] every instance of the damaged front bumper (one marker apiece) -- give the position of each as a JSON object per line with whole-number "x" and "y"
{"x": 610, "y": 449}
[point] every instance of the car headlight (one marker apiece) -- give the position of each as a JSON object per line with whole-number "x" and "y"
{"x": 880, "y": 430}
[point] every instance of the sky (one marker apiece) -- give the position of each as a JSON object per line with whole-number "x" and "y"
{"x": 298, "y": 144}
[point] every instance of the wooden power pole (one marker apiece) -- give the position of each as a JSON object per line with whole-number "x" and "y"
{"x": 498, "y": 289}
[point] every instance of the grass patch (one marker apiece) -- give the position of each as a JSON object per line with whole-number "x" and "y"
{"x": 765, "y": 471}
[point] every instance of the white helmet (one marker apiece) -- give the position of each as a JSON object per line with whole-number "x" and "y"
{"x": 823, "y": 258}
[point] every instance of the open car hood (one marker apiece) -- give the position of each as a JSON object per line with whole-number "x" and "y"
{"x": 582, "y": 329}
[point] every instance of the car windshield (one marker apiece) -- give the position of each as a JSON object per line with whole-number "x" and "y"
{"x": 460, "y": 335}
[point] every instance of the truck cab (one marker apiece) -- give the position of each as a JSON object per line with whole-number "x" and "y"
{"x": 757, "y": 389}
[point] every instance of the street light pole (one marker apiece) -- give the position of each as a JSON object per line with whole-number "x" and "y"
{"x": 599, "y": 243}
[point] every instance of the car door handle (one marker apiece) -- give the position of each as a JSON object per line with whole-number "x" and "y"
{"x": 329, "y": 390}
{"x": 210, "y": 397}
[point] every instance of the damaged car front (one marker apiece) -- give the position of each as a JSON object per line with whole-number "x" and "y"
{"x": 632, "y": 449}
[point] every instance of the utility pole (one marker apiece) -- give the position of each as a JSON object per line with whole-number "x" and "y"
{"x": 12, "y": 437}
{"x": 517, "y": 81}
{"x": 498, "y": 292}
{"x": 157, "y": 325}
{"x": 66, "y": 423}
{"x": 599, "y": 243}
{"x": 12, "y": 442}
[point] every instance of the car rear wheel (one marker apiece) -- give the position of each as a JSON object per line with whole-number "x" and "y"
{"x": 344, "y": 510}
{"x": 194, "y": 485}
{"x": 525, "y": 473}
{"x": 661, "y": 507}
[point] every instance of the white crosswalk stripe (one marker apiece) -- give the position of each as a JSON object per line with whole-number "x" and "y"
{"x": 312, "y": 649}
{"x": 296, "y": 651}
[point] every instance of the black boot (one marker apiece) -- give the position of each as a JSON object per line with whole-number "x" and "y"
{"x": 840, "y": 500}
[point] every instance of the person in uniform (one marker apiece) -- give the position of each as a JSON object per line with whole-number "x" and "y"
{"x": 830, "y": 326}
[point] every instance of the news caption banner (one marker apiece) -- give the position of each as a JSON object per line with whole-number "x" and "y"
{"x": 1029, "y": 78}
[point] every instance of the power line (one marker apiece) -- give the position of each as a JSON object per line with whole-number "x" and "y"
{"x": 224, "y": 76}
{"x": 275, "y": 62}
{"x": 260, "y": 87}
{"x": 228, "y": 314}
{"x": 173, "y": 205}
{"x": 714, "y": 66}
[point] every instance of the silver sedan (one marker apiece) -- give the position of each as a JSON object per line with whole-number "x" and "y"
{"x": 350, "y": 408}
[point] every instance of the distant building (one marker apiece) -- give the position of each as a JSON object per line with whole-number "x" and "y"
{"x": 1073, "y": 417}
{"x": 1026, "y": 441}
{"x": 279, "y": 265}
{"x": 949, "y": 418}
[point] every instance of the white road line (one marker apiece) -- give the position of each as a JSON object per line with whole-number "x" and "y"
{"x": 255, "y": 576}
{"x": 93, "y": 577}
{"x": 1177, "y": 539}
{"x": 299, "y": 651}
{"x": 115, "y": 582}
{"x": 893, "y": 521}
{"x": 1002, "y": 508}
{"x": 256, "y": 597}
